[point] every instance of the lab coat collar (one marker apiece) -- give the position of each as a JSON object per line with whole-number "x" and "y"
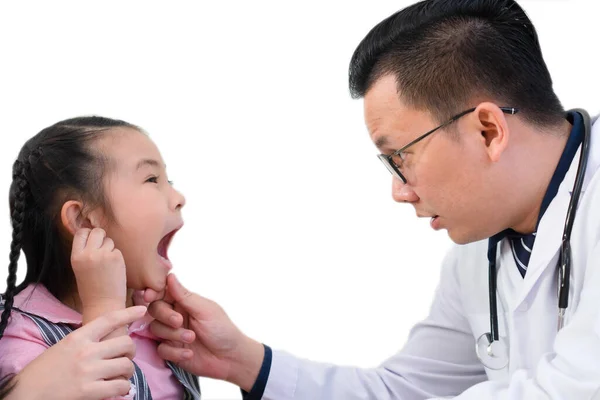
{"x": 551, "y": 226}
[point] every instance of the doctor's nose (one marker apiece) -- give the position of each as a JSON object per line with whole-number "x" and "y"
{"x": 403, "y": 193}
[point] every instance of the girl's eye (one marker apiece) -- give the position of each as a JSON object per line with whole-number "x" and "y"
{"x": 170, "y": 183}
{"x": 152, "y": 179}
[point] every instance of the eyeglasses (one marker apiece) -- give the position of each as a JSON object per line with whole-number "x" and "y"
{"x": 393, "y": 162}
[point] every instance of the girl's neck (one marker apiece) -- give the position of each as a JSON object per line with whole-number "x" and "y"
{"x": 73, "y": 301}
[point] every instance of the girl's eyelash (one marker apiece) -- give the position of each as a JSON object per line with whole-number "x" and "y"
{"x": 154, "y": 179}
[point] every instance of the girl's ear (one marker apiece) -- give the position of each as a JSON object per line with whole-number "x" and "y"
{"x": 72, "y": 218}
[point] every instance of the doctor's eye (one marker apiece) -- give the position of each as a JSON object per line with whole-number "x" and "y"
{"x": 399, "y": 159}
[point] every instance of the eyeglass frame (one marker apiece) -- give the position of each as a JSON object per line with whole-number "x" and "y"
{"x": 395, "y": 170}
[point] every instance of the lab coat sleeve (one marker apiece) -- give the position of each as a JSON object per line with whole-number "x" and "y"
{"x": 572, "y": 370}
{"x": 438, "y": 360}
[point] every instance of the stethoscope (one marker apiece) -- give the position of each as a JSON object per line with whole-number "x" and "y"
{"x": 491, "y": 349}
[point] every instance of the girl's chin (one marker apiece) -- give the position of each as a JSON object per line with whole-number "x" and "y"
{"x": 156, "y": 291}
{"x": 150, "y": 293}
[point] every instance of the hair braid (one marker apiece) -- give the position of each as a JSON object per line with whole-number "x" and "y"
{"x": 17, "y": 219}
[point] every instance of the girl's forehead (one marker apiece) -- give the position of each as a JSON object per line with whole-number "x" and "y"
{"x": 127, "y": 146}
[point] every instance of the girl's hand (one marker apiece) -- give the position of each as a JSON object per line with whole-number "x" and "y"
{"x": 99, "y": 271}
{"x": 82, "y": 366}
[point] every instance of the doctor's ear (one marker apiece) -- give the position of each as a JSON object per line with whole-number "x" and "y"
{"x": 73, "y": 218}
{"x": 490, "y": 120}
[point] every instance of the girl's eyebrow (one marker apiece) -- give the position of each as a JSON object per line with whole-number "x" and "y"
{"x": 150, "y": 162}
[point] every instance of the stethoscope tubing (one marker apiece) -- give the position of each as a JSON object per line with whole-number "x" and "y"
{"x": 564, "y": 261}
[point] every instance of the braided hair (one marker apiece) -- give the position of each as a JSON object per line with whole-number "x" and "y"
{"x": 58, "y": 164}
{"x": 17, "y": 217}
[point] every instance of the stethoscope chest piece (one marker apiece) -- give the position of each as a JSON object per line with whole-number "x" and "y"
{"x": 492, "y": 353}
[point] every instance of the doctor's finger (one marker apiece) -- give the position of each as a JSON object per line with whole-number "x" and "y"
{"x": 166, "y": 332}
{"x": 164, "y": 313}
{"x": 195, "y": 305}
{"x": 169, "y": 352}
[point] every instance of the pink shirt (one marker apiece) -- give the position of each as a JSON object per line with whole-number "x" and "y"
{"x": 23, "y": 342}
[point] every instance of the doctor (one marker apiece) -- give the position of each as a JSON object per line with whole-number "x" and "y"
{"x": 459, "y": 102}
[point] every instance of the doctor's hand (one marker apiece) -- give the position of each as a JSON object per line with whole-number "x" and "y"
{"x": 199, "y": 336}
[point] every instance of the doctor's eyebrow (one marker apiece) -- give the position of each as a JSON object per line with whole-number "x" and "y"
{"x": 381, "y": 142}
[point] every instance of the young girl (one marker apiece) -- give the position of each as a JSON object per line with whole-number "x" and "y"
{"x": 94, "y": 214}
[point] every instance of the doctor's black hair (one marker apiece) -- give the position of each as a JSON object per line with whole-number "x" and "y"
{"x": 446, "y": 53}
{"x": 58, "y": 164}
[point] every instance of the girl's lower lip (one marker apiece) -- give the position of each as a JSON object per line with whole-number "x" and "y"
{"x": 435, "y": 223}
{"x": 166, "y": 263}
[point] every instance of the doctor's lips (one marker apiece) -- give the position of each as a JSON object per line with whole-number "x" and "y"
{"x": 434, "y": 220}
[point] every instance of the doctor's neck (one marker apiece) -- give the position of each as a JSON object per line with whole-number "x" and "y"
{"x": 532, "y": 174}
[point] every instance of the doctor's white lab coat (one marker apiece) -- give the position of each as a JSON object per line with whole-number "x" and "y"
{"x": 439, "y": 359}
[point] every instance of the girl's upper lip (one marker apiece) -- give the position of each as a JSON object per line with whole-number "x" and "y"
{"x": 178, "y": 227}
{"x": 172, "y": 232}
{"x": 165, "y": 242}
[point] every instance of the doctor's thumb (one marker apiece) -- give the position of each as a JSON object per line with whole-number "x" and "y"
{"x": 191, "y": 302}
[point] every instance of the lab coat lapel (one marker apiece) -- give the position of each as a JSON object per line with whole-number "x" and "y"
{"x": 549, "y": 234}
{"x": 548, "y": 240}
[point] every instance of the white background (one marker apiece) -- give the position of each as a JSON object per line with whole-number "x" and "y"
{"x": 289, "y": 223}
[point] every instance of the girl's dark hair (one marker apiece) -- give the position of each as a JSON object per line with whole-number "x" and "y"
{"x": 56, "y": 165}
{"x": 446, "y": 53}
